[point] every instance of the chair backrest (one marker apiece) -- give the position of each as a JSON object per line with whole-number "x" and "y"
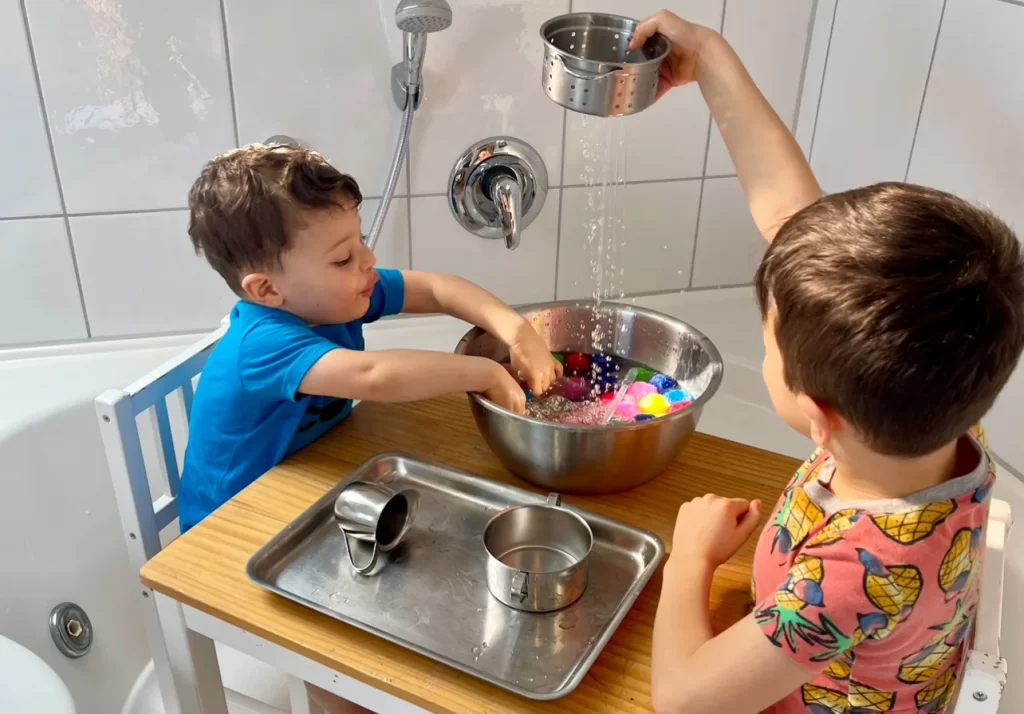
{"x": 143, "y": 517}
{"x": 984, "y": 674}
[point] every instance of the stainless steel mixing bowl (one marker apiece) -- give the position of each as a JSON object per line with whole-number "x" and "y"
{"x": 599, "y": 459}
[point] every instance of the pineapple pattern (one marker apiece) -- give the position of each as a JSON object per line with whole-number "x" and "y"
{"x": 833, "y": 582}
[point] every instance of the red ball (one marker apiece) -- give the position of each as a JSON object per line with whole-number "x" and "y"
{"x": 577, "y": 363}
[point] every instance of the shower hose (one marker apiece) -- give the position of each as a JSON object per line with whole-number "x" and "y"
{"x": 401, "y": 152}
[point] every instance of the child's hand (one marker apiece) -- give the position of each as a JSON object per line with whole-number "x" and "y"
{"x": 505, "y": 391}
{"x": 680, "y": 67}
{"x": 532, "y": 360}
{"x": 712, "y": 528}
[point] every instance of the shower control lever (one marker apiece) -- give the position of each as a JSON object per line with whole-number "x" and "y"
{"x": 497, "y": 188}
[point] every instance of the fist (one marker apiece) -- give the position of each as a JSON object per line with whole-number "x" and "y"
{"x": 712, "y": 528}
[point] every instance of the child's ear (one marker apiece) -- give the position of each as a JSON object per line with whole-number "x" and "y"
{"x": 824, "y": 422}
{"x": 260, "y": 289}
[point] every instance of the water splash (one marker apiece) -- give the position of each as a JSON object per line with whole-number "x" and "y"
{"x": 603, "y": 175}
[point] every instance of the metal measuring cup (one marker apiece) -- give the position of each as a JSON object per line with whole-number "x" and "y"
{"x": 372, "y": 513}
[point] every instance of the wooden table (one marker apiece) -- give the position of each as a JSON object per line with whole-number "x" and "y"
{"x": 205, "y": 569}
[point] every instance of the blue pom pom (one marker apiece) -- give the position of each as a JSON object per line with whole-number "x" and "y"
{"x": 663, "y": 382}
{"x": 643, "y": 417}
{"x": 675, "y": 396}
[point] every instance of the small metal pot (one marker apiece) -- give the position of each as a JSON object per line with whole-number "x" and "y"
{"x": 538, "y": 556}
{"x": 589, "y": 68}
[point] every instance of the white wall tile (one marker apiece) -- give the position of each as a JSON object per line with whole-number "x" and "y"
{"x": 392, "y": 249}
{"x": 482, "y": 78}
{"x": 523, "y": 275}
{"x": 970, "y": 142}
{"x": 28, "y": 185}
{"x": 656, "y": 240}
{"x": 771, "y": 39}
{"x": 323, "y": 77}
{"x": 874, "y": 81}
{"x": 140, "y": 275}
{"x": 37, "y": 283}
{"x": 137, "y": 96}
{"x": 971, "y": 138}
{"x": 729, "y": 246}
{"x": 665, "y": 141}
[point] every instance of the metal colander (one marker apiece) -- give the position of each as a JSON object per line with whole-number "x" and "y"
{"x": 588, "y": 67}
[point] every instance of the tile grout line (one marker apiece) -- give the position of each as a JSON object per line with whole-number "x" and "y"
{"x": 924, "y": 92}
{"x": 824, "y": 75}
{"x": 803, "y": 66}
{"x": 199, "y": 331}
{"x": 703, "y": 172}
{"x": 56, "y": 168}
{"x": 231, "y": 76}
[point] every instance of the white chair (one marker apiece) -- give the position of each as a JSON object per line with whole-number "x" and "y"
{"x": 984, "y": 676}
{"x": 163, "y": 398}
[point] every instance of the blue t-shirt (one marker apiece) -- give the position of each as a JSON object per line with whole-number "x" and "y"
{"x": 247, "y": 414}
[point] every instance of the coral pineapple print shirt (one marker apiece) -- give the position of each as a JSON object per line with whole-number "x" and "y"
{"x": 877, "y": 596}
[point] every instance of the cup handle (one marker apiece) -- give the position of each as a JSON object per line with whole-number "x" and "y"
{"x": 363, "y": 570}
{"x": 554, "y": 500}
{"x": 520, "y": 586}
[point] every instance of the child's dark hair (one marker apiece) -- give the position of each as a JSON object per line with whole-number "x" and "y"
{"x": 900, "y": 307}
{"x": 246, "y": 202}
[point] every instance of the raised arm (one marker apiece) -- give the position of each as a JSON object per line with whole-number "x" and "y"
{"x": 775, "y": 176}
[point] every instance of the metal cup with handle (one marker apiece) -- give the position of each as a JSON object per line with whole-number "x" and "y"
{"x": 372, "y": 513}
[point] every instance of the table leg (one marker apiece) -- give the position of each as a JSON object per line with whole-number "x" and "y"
{"x": 193, "y": 661}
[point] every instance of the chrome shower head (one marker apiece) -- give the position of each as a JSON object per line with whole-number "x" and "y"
{"x": 423, "y": 16}
{"x": 416, "y": 19}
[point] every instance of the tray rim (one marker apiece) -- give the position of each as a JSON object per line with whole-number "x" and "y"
{"x": 583, "y": 666}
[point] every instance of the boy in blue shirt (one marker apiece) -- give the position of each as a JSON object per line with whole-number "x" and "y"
{"x": 281, "y": 226}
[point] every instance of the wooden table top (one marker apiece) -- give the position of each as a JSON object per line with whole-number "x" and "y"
{"x": 206, "y": 567}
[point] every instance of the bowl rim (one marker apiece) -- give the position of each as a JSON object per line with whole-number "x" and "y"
{"x": 698, "y": 403}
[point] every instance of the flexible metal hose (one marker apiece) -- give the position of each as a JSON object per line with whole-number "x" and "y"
{"x": 401, "y": 152}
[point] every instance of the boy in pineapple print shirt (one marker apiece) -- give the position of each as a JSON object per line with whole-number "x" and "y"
{"x": 893, "y": 315}
{"x": 851, "y": 572}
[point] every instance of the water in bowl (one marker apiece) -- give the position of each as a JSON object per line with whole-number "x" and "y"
{"x": 585, "y": 394}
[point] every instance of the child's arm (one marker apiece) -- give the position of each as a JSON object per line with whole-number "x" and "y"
{"x": 432, "y": 292}
{"x": 693, "y": 671}
{"x": 775, "y": 176}
{"x": 409, "y": 375}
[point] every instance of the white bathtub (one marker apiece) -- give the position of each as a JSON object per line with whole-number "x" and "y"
{"x": 58, "y": 505}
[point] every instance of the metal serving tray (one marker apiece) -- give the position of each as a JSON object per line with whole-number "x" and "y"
{"x": 432, "y": 596}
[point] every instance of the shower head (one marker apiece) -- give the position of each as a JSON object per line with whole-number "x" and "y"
{"x": 423, "y": 16}
{"x": 416, "y": 19}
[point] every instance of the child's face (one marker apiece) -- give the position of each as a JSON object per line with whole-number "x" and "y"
{"x": 784, "y": 400}
{"x": 327, "y": 275}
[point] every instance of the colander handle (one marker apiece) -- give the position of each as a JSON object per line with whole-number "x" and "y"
{"x": 584, "y": 75}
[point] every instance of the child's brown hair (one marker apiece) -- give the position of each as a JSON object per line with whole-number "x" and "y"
{"x": 246, "y": 202}
{"x": 898, "y": 306}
